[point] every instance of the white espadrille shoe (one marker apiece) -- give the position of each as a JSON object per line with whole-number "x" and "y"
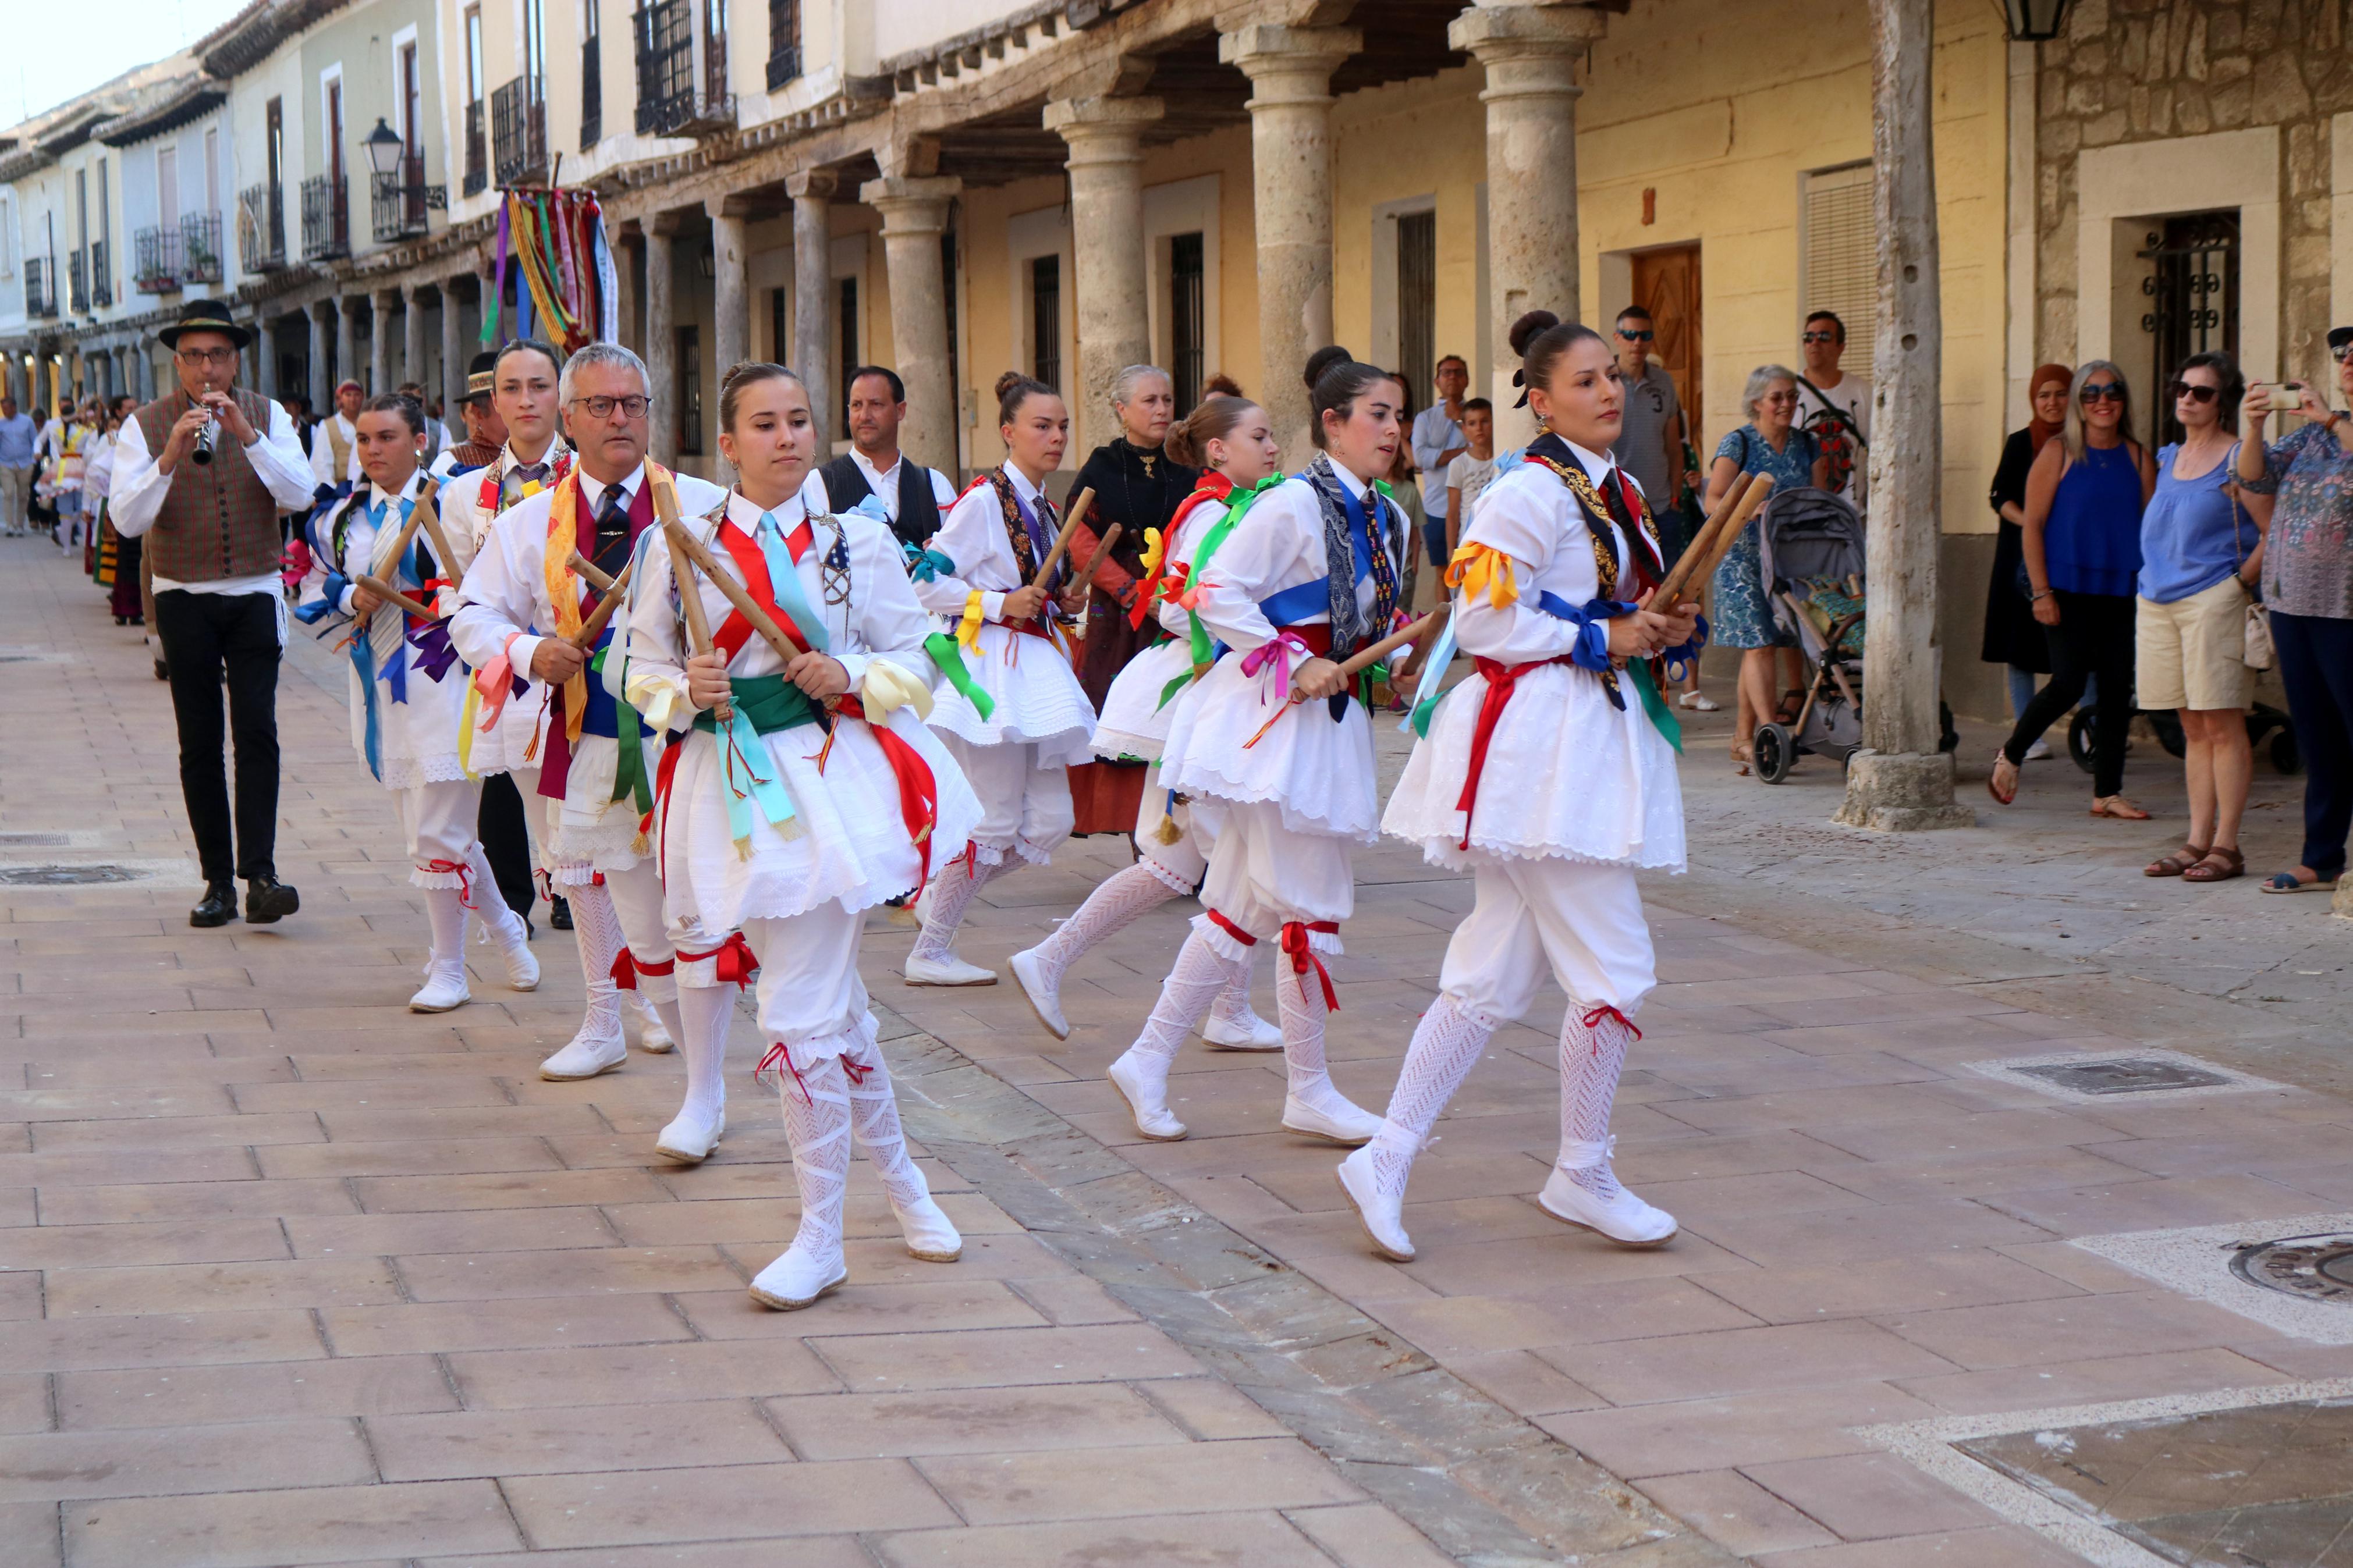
{"x": 1045, "y": 1000}
{"x": 444, "y": 989}
{"x": 798, "y": 1279}
{"x": 690, "y": 1136}
{"x": 948, "y": 970}
{"x": 1146, "y": 1094}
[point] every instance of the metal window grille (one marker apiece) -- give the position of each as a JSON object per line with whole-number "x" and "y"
{"x": 200, "y": 247}
{"x": 77, "y": 283}
{"x": 672, "y": 98}
{"x": 40, "y": 287}
{"x": 2193, "y": 293}
{"x": 1840, "y": 250}
{"x": 519, "y": 131}
{"x": 846, "y": 351}
{"x": 1046, "y": 320}
{"x": 1417, "y": 285}
{"x": 592, "y": 92}
{"x": 478, "y": 153}
{"x": 155, "y": 262}
{"x": 399, "y": 201}
{"x": 784, "y": 42}
{"x": 689, "y": 391}
{"x": 262, "y": 228}
{"x": 1188, "y": 326}
{"x": 326, "y": 219}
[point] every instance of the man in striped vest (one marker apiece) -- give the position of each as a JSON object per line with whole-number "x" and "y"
{"x": 203, "y": 474}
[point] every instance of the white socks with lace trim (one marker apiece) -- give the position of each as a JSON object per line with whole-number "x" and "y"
{"x": 1446, "y": 1046}
{"x": 952, "y": 894}
{"x": 1116, "y": 901}
{"x": 1591, "y": 1059}
{"x": 597, "y": 927}
{"x": 704, "y": 1013}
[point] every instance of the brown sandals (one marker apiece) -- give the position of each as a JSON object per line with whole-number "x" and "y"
{"x": 2176, "y": 864}
{"x": 2217, "y": 865}
{"x": 2117, "y": 807}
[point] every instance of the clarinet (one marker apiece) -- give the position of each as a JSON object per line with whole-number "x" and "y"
{"x": 203, "y": 454}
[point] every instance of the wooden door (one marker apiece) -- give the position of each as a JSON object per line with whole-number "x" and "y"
{"x": 1666, "y": 284}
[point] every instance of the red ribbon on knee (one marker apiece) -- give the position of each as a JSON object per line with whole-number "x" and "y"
{"x": 1600, "y": 1010}
{"x": 780, "y": 1052}
{"x": 1295, "y": 943}
{"x": 626, "y": 969}
{"x": 1230, "y": 929}
{"x": 465, "y": 883}
{"x": 736, "y": 961}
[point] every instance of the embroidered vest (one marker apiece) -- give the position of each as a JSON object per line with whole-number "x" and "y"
{"x": 218, "y": 521}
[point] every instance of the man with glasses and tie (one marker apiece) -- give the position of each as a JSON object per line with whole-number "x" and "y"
{"x": 521, "y": 609}
{"x": 203, "y": 474}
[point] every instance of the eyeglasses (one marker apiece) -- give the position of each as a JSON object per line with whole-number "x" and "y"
{"x": 2180, "y": 389}
{"x": 1819, "y": 338}
{"x": 1778, "y": 397}
{"x": 1641, "y": 337}
{"x": 632, "y": 408}
{"x": 198, "y": 357}
{"x": 2340, "y": 351}
{"x": 2103, "y": 392}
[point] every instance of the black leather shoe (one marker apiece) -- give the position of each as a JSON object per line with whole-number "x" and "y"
{"x": 218, "y": 906}
{"x": 559, "y": 914}
{"x": 266, "y": 899}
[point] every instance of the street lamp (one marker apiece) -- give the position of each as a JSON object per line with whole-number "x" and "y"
{"x": 2035, "y": 21}
{"x": 385, "y": 148}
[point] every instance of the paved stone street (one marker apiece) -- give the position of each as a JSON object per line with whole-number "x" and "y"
{"x": 290, "y": 1275}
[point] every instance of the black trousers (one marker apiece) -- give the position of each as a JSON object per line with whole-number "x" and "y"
{"x": 203, "y": 634}
{"x": 506, "y": 841}
{"x": 2316, "y": 666}
{"x": 2093, "y": 637}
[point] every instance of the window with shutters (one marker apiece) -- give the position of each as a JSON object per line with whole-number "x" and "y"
{"x": 1838, "y": 252}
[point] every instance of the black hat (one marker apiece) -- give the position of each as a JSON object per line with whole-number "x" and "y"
{"x": 481, "y": 373}
{"x": 2338, "y": 337}
{"x": 204, "y": 316}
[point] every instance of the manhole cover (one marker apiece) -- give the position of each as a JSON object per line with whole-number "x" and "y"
{"x": 33, "y": 840}
{"x": 2125, "y": 1075}
{"x": 2317, "y": 1268}
{"x": 64, "y": 876}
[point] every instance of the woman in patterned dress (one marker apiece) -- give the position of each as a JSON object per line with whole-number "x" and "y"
{"x": 1768, "y": 444}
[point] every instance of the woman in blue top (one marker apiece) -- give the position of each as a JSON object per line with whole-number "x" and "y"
{"x": 1739, "y": 614}
{"x": 2082, "y": 544}
{"x": 2200, "y": 554}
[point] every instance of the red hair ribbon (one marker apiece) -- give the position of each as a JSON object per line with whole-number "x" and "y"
{"x": 1295, "y": 943}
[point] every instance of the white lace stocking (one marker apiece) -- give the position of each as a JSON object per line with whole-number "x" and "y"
{"x": 598, "y": 930}
{"x": 704, "y": 1011}
{"x": 1446, "y": 1046}
{"x": 1592, "y": 1057}
{"x": 1200, "y": 974}
{"x": 874, "y": 1120}
{"x": 816, "y": 1124}
{"x": 447, "y": 917}
{"x": 1117, "y": 899}
{"x": 490, "y": 904}
{"x": 952, "y": 894}
{"x": 1232, "y": 1005}
{"x": 1299, "y": 1006}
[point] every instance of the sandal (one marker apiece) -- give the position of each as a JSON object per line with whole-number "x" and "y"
{"x": 2289, "y": 882}
{"x": 2217, "y": 865}
{"x": 2004, "y": 793}
{"x": 1792, "y": 703}
{"x": 2117, "y": 807}
{"x": 1743, "y": 757}
{"x": 2175, "y": 865}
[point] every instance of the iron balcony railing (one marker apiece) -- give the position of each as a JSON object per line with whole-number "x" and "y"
{"x": 326, "y": 219}
{"x": 262, "y": 228}
{"x": 77, "y": 283}
{"x": 157, "y": 264}
{"x": 478, "y": 152}
{"x": 519, "y": 131}
{"x": 672, "y": 98}
{"x": 40, "y": 287}
{"x": 200, "y": 247}
{"x": 784, "y": 42}
{"x": 399, "y": 201}
{"x": 101, "y": 275}
{"x": 591, "y": 92}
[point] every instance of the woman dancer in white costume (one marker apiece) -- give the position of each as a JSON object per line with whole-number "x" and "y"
{"x": 405, "y": 715}
{"x": 795, "y": 795}
{"x": 1017, "y": 717}
{"x": 1282, "y": 749}
{"x": 1231, "y": 440}
{"x": 1564, "y": 726}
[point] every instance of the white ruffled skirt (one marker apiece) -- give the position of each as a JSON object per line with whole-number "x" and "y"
{"x": 1037, "y": 696}
{"x": 1133, "y": 723}
{"x": 416, "y": 741}
{"x": 1567, "y": 777}
{"x": 1318, "y": 771}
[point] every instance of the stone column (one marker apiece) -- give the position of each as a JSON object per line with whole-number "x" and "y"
{"x": 412, "y": 334}
{"x": 661, "y": 339}
{"x": 347, "y": 350}
{"x": 1290, "y": 69}
{"x": 914, "y": 215}
{"x": 812, "y": 192}
{"x": 380, "y": 304}
{"x": 731, "y": 299}
{"x": 322, "y": 385}
{"x": 1900, "y": 780}
{"x": 265, "y": 357}
{"x": 626, "y": 248}
{"x": 1529, "y": 55}
{"x": 1106, "y": 165}
{"x": 454, "y": 357}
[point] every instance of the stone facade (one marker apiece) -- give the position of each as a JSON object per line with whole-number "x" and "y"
{"x": 2134, "y": 71}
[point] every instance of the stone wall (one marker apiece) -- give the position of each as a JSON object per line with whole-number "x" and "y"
{"x": 2145, "y": 70}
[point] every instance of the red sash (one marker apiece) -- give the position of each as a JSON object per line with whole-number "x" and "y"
{"x": 1501, "y": 680}
{"x": 753, "y": 562}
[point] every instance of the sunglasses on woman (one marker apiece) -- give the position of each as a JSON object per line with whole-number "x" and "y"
{"x": 2181, "y": 389}
{"x": 2103, "y": 392}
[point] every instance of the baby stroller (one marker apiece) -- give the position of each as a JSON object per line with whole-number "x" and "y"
{"x": 1812, "y": 567}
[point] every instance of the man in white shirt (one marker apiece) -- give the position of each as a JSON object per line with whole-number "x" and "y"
{"x": 1834, "y": 405}
{"x": 203, "y": 474}
{"x": 873, "y": 465}
{"x": 334, "y": 447}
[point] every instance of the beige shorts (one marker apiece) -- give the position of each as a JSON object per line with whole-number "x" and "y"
{"x": 2191, "y": 653}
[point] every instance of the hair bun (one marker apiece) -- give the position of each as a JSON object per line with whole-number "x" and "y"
{"x": 1220, "y": 384}
{"x": 1526, "y": 330}
{"x": 1323, "y": 359}
{"x": 1007, "y": 381}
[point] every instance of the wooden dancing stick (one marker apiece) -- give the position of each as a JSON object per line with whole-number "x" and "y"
{"x": 1681, "y": 576}
{"x": 1365, "y": 658}
{"x": 1078, "y": 513}
{"x": 392, "y": 595}
{"x": 598, "y": 579}
{"x": 428, "y": 513}
{"x": 1760, "y": 487}
{"x": 612, "y": 589}
{"x": 684, "y": 543}
{"x": 689, "y": 598}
